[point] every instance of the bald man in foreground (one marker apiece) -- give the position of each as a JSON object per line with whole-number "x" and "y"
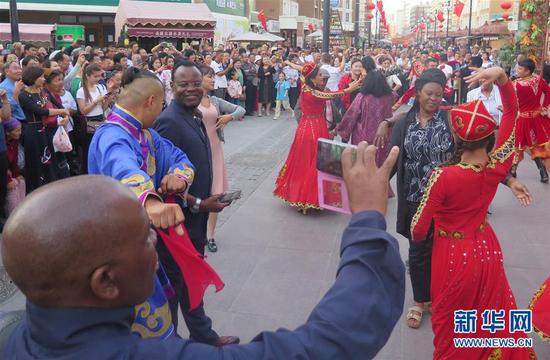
{"x": 83, "y": 274}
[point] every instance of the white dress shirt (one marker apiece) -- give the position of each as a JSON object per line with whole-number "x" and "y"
{"x": 491, "y": 102}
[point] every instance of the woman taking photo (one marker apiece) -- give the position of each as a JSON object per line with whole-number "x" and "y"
{"x": 355, "y": 74}
{"x": 297, "y": 180}
{"x": 467, "y": 258}
{"x": 40, "y": 165}
{"x": 266, "y": 87}
{"x": 212, "y": 109}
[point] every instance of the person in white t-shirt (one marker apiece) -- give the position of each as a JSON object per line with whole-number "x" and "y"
{"x": 220, "y": 80}
{"x": 91, "y": 96}
{"x": 446, "y": 68}
{"x": 334, "y": 72}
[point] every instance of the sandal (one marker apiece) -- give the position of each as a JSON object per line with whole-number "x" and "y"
{"x": 414, "y": 313}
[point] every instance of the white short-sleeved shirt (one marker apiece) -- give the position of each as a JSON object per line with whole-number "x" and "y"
{"x": 99, "y": 90}
{"x": 69, "y": 103}
{"x": 448, "y": 71}
{"x": 220, "y": 82}
{"x": 335, "y": 75}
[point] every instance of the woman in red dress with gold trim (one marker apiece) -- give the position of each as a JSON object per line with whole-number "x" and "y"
{"x": 468, "y": 271}
{"x": 533, "y": 128}
{"x": 540, "y": 306}
{"x": 297, "y": 180}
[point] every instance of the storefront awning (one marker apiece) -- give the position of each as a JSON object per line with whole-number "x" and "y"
{"x": 28, "y": 32}
{"x": 155, "y": 15}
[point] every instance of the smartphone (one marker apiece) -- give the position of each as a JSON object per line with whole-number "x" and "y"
{"x": 230, "y": 196}
{"x": 329, "y": 156}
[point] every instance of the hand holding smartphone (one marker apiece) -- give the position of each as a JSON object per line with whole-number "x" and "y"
{"x": 230, "y": 196}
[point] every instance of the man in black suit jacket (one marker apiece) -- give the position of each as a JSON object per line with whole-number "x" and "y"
{"x": 182, "y": 124}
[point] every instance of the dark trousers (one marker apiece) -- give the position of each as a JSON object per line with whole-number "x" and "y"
{"x": 293, "y": 94}
{"x": 420, "y": 262}
{"x": 3, "y": 182}
{"x": 250, "y": 102}
{"x": 199, "y": 325}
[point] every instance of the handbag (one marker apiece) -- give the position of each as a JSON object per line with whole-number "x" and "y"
{"x": 337, "y": 111}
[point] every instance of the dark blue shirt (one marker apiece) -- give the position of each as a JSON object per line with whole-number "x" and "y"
{"x": 352, "y": 321}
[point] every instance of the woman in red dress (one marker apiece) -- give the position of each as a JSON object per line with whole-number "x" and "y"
{"x": 540, "y": 306}
{"x": 466, "y": 257}
{"x": 297, "y": 180}
{"x": 533, "y": 128}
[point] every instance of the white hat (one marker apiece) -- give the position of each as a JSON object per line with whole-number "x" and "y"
{"x": 258, "y": 57}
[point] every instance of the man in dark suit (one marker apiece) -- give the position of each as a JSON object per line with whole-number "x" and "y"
{"x": 182, "y": 124}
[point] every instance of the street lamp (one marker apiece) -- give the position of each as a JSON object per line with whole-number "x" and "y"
{"x": 448, "y": 21}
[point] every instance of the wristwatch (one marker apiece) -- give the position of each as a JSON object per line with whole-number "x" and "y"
{"x": 197, "y": 206}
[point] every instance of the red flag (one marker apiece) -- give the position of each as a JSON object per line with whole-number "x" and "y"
{"x": 196, "y": 272}
{"x": 263, "y": 20}
{"x": 440, "y": 16}
{"x": 379, "y": 5}
{"x": 459, "y": 7}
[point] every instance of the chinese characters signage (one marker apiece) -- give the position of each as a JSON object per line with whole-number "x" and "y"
{"x": 230, "y": 7}
{"x": 170, "y": 33}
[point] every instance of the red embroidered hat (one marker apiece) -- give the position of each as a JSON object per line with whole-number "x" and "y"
{"x": 307, "y": 69}
{"x": 472, "y": 121}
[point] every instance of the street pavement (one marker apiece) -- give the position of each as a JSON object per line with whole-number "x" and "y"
{"x": 277, "y": 263}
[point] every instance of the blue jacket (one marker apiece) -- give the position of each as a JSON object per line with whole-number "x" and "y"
{"x": 352, "y": 321}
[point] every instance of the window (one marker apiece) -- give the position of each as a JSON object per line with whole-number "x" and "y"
{"x": 348, "y": 4}
{"x": 67, "y": 19}
{"x": 347, "y": 17}
{"x": 88, "y": 19}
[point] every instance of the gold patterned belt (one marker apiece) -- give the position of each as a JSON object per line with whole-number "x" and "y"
{"x": 530, "y": 114}
{"x": 457, "y": 235}
{"x": 312, "y": 116}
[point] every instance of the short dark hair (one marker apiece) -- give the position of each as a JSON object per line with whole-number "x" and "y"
{"x": 30, "y": 46}
{"x": 53, "y": 75}
{"x": 59, "y": 56}
{"x": 27, "y": 59}
{"x": 188, "y": 53}
{"x": 477, "y": 61}
{"x": 528, "y": 64}
{"x": 184, "y": 63}
{"x": 117, "y": 57}
{"x": 30, "y": 74}
{"x": 430, "y": 76}
{"x": 375, "y": 84}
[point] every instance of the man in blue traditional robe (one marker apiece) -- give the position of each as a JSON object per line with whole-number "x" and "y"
{"x": 126, "y": 149}
{"x": 82, "y": 288}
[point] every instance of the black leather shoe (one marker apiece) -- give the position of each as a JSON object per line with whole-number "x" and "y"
{"x": 211, "y": 245}
{"x": 226, "y": 340}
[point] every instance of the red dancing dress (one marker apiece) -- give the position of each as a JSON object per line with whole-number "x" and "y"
{"x": 540, "y": 306}
{"x": 297, "y": 180}
{"x": 533, "y": 128}
{"x": 467, "y": 264}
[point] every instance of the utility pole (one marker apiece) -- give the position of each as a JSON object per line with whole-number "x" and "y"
{"x": 326, "y": 25}
{"x": 448, "y": 22}
{"x": 14, "y": 21}
{"x": 356, "y": 17}
{"x": 470, "y": 25}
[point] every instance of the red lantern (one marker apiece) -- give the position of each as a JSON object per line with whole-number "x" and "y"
{"x": 432, "y": 19}
{"x": 505, "y": 16}
{"x": 371, "y": 6}
{"x": 440, "y": 16}
{"x": 506, "y": 5}
{"x": 423, "y": 26}
{"x": 440, "y": 26}
{"x": 370, "y": 16}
